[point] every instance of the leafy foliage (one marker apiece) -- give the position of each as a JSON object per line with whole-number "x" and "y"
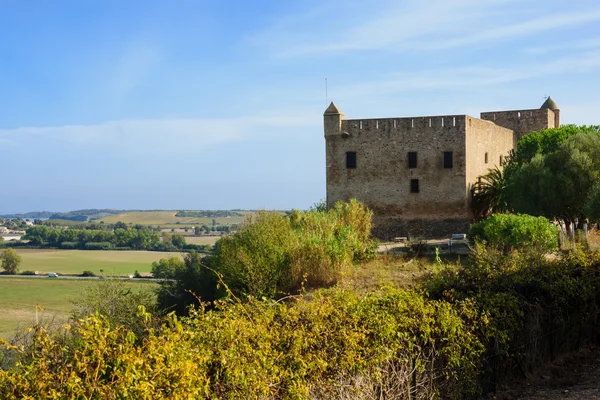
{"x": 558, "y": 184}
{"x": 115, "y": 302}
{"x": 535, "y": 308}
{"x": 507, "y": 232}
{"x": 166, "y": 268}
{"x": 489, "y": 195}
{"x": 10, "y": 261}
{"x": 262, "y": 349}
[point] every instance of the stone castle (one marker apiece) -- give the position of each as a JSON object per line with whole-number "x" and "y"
{"x": 416, "y": 173}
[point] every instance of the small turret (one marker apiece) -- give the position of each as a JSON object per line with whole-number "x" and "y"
{"x": 550, "y": 104}
{"x": 332, "y": 120}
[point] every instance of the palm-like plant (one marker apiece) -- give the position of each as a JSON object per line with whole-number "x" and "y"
{"x": 488, "y": 195}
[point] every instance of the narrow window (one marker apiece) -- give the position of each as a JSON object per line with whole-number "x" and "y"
{"x": 486, "y": 158}
{"x": 448, "y": 159}
{"x": 351, "y": 159}
{"x": 501, "y": 159}
{"x": 414, "y": 186}
{"x": 412, "y": 159}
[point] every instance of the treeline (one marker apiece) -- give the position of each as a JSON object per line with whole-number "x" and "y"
{"x": 209, "y": 214}
{"x": 121, "y": 238}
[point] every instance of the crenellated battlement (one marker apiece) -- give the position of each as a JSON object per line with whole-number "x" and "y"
{"x": 404, "y": 124}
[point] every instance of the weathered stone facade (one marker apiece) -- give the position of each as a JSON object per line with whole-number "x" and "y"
{"x": 416, "y": 173}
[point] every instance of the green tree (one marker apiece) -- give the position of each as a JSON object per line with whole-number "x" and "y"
{"x": 121, "y": 225}
{"x": 178, "y": 241}
{"x": 167, "y": 268}
{"x": 188, "y": 284}
{"x": 10, "y": 261}
{"x": 558, "y": 184}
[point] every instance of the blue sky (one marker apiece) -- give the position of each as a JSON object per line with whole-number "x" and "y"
{"x": 218, "y": 104}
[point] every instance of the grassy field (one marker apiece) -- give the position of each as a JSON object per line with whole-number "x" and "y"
{"x": 211, "y": 240}
{"x": 76, "y": 261}
{"x": 168, "y": 219}
{"x": 19, "y": 298}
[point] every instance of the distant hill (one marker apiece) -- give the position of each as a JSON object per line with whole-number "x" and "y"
{"x": 78, "y": 215}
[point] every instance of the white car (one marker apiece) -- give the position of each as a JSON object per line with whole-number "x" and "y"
{"x": 52, "y": 275}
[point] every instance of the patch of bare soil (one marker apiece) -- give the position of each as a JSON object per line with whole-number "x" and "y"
{"x": 575, "y": 376}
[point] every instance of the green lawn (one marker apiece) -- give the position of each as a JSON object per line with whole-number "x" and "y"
{"x": 19, "y": 298}
{"x": 76, "y": 261}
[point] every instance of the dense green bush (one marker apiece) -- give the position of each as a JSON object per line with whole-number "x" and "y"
{"x": 334, "y": 343}
{"x": 536, "y": 308}
{"x": 274, "y": 254}
{"x": 509, "y": 232}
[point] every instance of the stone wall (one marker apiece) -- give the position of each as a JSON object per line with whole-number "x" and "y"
{"x": 487, "y": 144}
{"x": 523, "y": 122}
{"x": 382, "y": 177}
{"x": 388, "y": 228}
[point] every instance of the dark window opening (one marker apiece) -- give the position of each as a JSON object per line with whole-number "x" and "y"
{"x": 501, "y": 159}
{"x": 448, "y": 159}
{"x": 351, "y": 159}
{"x": 486, "y": 158}
{"x": 412, "y": 159}
{"x": 414, "y": 186}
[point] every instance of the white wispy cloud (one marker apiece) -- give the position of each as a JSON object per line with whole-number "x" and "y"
{"x": 157, "y": 136}
{"x": 585, "y": 44}
{"x": 414, "y": 25}
{"x": 470, "y": 76}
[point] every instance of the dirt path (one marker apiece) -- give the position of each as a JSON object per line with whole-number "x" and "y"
{"x": 574, "y": 377}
